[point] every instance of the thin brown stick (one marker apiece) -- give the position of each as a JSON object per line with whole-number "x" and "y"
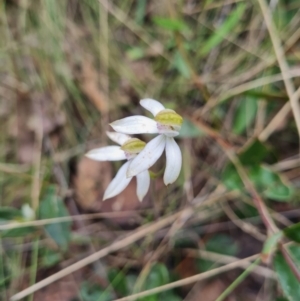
{"x": 237, "y": 264}
{"x": 280, "y": 55}
{"x": 122, "y": 243}
{"x": 225, "y": 259}
{"x": 228, "y": 149}
{"x": 63, "y": 219}
{"x": 261, "y": 207}
{"x": 278, "y": 118}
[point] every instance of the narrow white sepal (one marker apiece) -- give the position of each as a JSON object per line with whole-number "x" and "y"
{"x": 107, "y": 153}
{"x": 174, "y": 161}
{"x": 135, "y": 125}
{"x": 142, "y": 184}
{"x": 118, "y": 137}
{"x": 118, "y": 183}
{"x": 152, "y": 105}
{"x": 148, "y": 156}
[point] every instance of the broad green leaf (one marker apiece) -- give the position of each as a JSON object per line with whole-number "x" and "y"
{"x": 51, "y": 207}
{"x": 170, "y": 24}
{"x": 293, "y": 232}
{"x": 270, "y": 184}
{"x": 118, "y": 281}
{"x": 244, "y": 114}
{"x": 159, "y": 275}
{"x": 267, "y": 182}
{"x": 220, "y": 34}
{"x": 231, "y": 178}
{"x": 254, "y": 153}
{"x": 189, "y": 130}
{"x": 288, "y": 281}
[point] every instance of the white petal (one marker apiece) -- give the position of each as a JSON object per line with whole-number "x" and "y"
{"x": 107, "y": 153}
{"x": 118, "y": 183}
{"x": 152, "y": 105}
{"x": 118, "y": 137}
{"x": 135, "y": 125}
{"x": 143, "y": 183}
{"x": 148, "y": 156}
{"x": 174, "y": 161}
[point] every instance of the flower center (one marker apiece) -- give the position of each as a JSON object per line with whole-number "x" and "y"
{"x": 169, "y": 118}
{"x": 133, "y": 146}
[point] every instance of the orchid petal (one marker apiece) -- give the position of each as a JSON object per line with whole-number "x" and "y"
{"x": 118, "y": 137}
{"x": 148, "y": 156}
{"x": 135, "y": 125}
{"x": 152, "y": 105}
{"x": 118, "y": 183}
{"x": 143, "y": 183}
{"x": 107, "y": 153}
{"x": 174, "y": 161}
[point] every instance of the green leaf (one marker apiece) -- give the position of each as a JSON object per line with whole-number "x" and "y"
{"x": 19, "y": 232}
{"x": 135, "y": 53}
{"x": 51, "y": 207}
{"x": 90, "y": 292}
{"x": 50, "y": 258}
{"x": 140, "y": 12}
{"x": 159, "y": 275}
{"x": 287, "y": 279}
{"x": 189, "y": 130}
{"x": 170, "y": 24}
{"x": 271, "y": 244}
{"x": 220, "y": 34}
{"x": 9, "y": 213}
{"x": 254, "y": 153}
{"x": 118, "y": 281}
{"x": 270, "y": 184}
{"x": 220, "y": 243}
{"x": 293, "y": 232}
{"x": 180, "y": 65}
{"x": 169, "y": 296}
{"x": 244, "y": 115}
{"x": 231, "y": 178}
{"x": 267, "y": 182}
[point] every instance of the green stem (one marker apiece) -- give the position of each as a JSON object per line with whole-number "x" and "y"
{"x": 34, "y": 264}
{"x": 238, "y": 280}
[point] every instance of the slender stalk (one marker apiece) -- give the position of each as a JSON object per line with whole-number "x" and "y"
{"x": 238, "y": 280}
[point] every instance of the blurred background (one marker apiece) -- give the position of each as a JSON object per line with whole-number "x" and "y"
{"x": 68, "y": 68}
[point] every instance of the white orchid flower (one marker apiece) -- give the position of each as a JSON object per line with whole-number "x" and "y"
{"x": 129, "y": 148}
{"x": 167, "y": 123}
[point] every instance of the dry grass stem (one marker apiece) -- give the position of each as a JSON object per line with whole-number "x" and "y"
{"x": 294, "y": 100}
{"x": 202, "y": 276}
